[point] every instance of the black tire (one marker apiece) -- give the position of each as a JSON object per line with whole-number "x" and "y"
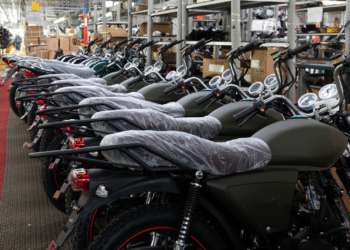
{"x": 47, "y": 138}
{"x": 52, "y": 179}
{"x": 148, "y": 218}
{"x": 32, "y": 115}
{"x": 12, "y": 100}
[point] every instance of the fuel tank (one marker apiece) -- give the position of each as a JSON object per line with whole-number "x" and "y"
{"x": 303, "y": 142}
{"x": 155, "y": 93}
{"x": 118, "y": 79}
{"x": 135, "y": 87}
{"x": 192, "y": 109}
{"x": 230, "y": 128}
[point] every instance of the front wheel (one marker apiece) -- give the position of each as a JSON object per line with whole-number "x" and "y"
{"x": 155, "y": 226}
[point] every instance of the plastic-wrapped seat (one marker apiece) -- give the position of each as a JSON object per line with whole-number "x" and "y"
{"x": 83, "y": 72}
{"x": 72, "y": 76}
{"x": 172, "y": 109}
{"x": 240, "y": 155}
{"x": 117, "y": 88}
{"x": 73, "y": 95}
{"x": 137, "y": 119}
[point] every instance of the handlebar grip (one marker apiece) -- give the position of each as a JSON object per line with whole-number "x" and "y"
{"x": 135, "y": 80}
{"x": 132, "y": 43}
{"x": 121, "y": 43}
{"x": 168, "y": 46}
{"x": 92, "y": 42}
{"x": 120, "y": 72}
{"x": 199, "y": 44}
{"x": 251, "y": 46}
{"x": 173, "y": 88}
{"x": 205, "y": 98}
{"x": 336, "y": 56}
{"x": 300, "y": 49}
{"x": 150, "y": 43}
{"x": 244, "y": 113}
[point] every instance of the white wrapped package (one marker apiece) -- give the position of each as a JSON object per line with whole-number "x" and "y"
{"x": 117, "y": 88}
{"x": 77, "y": 94}
{"x": 205, "y": 127}
{"x": 72, "y": 76}
{"x": 173, "y": 109}
{"x": 223, "y": 158}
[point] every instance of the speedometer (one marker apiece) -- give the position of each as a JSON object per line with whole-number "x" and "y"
{"x": 307, "y": 101}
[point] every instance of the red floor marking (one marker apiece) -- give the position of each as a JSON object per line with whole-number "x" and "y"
{"x": 4, "y": 114}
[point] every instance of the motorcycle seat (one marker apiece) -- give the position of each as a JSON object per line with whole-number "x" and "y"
{"x": 172, "y": 109}
{"x": 137, "y": 119}
{"x": 83, "y": 72}
{"x": 75, "y": 94}
{"x": 117, "y": 88}
{"x": 239, "y": 155}
{"x": 72, "y": 76}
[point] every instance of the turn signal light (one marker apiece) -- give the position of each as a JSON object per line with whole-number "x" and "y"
{"x": 77, "y": 143}
{"x": 79, "y": 179}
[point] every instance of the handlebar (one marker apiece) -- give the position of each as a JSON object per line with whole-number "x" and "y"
{"x": 118, "y": 44}
{"x": 135, "y": 80}
{"x": 206, "y": 98}
{"x": 200, "y": 43}
{"x": 104, "y": 44}
{"x": 168, "y": 46}
{"x": 173, "y": 88}
{"x": 289, "y": 53}
{"x": 150, "y": 43}
{"x": 245, "y": 113}
{"x": 241, "y": 50}
{"x": 104, "y": 68}
{"x": 132, "y": 43}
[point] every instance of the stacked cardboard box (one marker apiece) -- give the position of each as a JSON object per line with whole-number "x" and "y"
{"x": 68, "y": 44}
{"x": 32, "y": 36}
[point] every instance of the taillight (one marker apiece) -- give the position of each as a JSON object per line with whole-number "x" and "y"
{"x": 42, "y": 108}
{"x": 77, "y": 143}
{"x": 31, "y": 92}
{"x": 13, "y": 65}
{"x": 79, "y": 179}
{"x": 67, "y": 129}
{"x": 41, "y": 102}
{"x": 27, "y": 73}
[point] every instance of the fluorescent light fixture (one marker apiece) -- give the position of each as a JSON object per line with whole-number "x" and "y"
{"x": 60, "y": 20}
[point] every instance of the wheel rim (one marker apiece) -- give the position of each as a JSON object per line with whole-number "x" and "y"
{"x": 158, "y": 230}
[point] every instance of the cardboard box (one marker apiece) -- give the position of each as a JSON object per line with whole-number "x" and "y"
{"x": 38, "y": 48}
{"x": 31, "y": 49}
{"x": 74, "y": 43}
{"x": 44, "y": 54}
{"x": 33, "y": 54}
{"x": 64, "y": 43}
{"x": 261, "y": 64}
{"x": 31, "y": 42}
{"x": 118, "y": 32}
{"x": 43, "y": 41}
{"x": 33, "y": 32}
{"x": 53, "y": 43}
{"x": 52, "y": 54}
{"x": 164, "y": 27}
{"x": 171, "y": 57}
{"x": 214, "y": 67}
{"x": 141, "y": 7}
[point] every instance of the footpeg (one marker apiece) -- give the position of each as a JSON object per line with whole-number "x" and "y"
{"x": 57, "y": 195}
{"x": 52, "y": 246}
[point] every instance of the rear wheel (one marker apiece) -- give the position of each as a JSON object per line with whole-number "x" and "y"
{"x": 12, "y": 100}
{"x": 155, "y": 226}
{"x": 53, "y": 179}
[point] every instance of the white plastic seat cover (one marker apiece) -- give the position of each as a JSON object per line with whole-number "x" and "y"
{"x": 173, "y": 109}
{"x": 73, "y": 95}
{"x": 205, "y": 127}
{"x": 72, "y": 76}
{"x": 240, "y": 155}
{"x": 117, "y": 88}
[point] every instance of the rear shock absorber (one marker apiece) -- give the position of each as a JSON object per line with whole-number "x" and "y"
{"x": 191, "y": 205}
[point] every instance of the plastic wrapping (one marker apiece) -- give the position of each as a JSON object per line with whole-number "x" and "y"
{"x": 173, "y": 109}
{"x": 205, "y": 127}
{"x": 78, "y": 93}
{"x": 117, "y": 88}
{"x": 72, "y": 76}
{"x": 83, "y": 72}
{"x": 240, "y": 155}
